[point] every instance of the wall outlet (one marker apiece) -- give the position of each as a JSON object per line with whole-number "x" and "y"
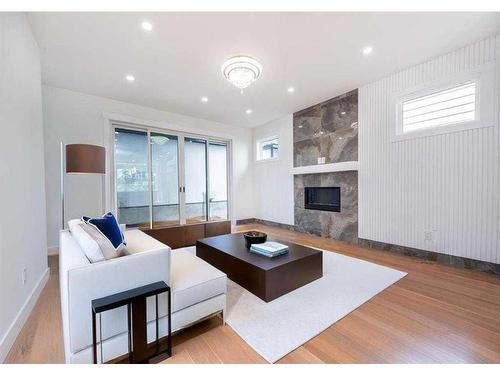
{"x": 24, "y": 275}
{"x": 428, "y": 235}
{"x": 321, "y": 160}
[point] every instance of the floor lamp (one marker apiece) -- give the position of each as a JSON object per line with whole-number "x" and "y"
{"x": 81, "y": 159}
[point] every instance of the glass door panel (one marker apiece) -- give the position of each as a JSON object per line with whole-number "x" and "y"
{"x": 195, "y": 168}
{"x": 132, "y": 180}
{"x": 217, "y": 154}
{"x": 165, "y": 179}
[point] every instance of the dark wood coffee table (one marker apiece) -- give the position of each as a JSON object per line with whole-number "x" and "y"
{"x": 267, "y": 278}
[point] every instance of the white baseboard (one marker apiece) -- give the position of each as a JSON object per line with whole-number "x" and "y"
{"x": 22, "y": 316}
{"x": 53, "y": 250}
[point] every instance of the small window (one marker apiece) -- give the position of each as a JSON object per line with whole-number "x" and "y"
{"x": 454, "y": 105}
{"x": 267, "y": 149}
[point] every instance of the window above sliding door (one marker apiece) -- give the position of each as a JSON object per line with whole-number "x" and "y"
{"x": 163, "y": 179}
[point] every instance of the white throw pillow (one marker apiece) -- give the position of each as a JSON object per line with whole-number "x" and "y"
{"x": 89, "y": 246}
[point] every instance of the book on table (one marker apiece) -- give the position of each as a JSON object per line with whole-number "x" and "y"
{"x": 269, "y": 249}
{"x": 268, "y": 255}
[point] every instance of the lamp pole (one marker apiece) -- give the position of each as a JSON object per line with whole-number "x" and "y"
{"x": 62, "y": 185}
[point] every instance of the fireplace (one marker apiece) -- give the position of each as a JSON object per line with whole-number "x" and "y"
{"x": 322, "y": 198}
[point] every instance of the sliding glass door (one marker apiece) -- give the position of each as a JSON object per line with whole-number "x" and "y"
{"x": 164, "y": 179}
{"x": 132, "y": 177}
{"x": 195, "y": 163}
{"x": 217, "y": 182}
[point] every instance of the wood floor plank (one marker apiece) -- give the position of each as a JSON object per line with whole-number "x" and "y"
{"x": 436, "y": 314}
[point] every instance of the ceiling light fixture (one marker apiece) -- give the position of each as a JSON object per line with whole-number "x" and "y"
{"x": 248, "y": 111}
{"x": 204, "y": 99}
{"x": 367, "y": 50}
{"x": 241, "y": 71}
{"x": 291, "y": 90}
{"x": 130, "y": 78}
{"x": 148, "y": 26}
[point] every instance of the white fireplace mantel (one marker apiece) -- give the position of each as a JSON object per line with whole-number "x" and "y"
{"x": 326, "y": 168}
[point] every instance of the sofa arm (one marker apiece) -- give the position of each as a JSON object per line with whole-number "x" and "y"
{"x": 105, "y": 278}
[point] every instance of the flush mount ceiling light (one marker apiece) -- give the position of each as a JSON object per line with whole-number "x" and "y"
{"x": 130, "y": 78}
{"x": 241, "y": 70}
{"x": 204, "y": 99}
{"x": 291, "y": 90}
{"x": 248, "y": 111}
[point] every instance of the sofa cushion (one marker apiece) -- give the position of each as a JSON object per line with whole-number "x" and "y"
{"x": 107, "y": 248}
{"x": 88, "y": 245}
{"x": 193, "y": 280}
{"x": 109, "y": 227}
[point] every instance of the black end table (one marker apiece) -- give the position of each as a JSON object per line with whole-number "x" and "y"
{"x": 135, "y": 300}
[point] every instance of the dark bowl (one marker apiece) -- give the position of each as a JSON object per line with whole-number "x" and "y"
{"x": 254, "y": 237}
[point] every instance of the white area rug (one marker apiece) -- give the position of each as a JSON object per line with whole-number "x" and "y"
{"x": 276, "y": 328}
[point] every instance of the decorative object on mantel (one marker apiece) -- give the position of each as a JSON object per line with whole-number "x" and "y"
{"x": 241, "y": 71}
{"x": 81, "y": 159}
{"x": 254, "y": 237}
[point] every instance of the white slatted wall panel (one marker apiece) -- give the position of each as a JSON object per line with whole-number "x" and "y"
{"x": 447, "y": 184}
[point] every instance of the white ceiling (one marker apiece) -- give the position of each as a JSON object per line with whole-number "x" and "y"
{"x": 179, "y": 61}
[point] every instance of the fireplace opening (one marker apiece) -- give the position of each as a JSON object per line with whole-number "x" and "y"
{"x": 322, "y": 198}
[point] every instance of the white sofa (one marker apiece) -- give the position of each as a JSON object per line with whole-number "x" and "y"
{"x": 198, "y": 291}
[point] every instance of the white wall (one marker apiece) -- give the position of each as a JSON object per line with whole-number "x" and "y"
{"x": 22, "y": 190}
{"x": 444, "y": 184}
{"x": 73, "y": 117}
{"x": 273, "y": 182}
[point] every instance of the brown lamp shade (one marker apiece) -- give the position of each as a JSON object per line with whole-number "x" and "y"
{"x": 82, "y": 158}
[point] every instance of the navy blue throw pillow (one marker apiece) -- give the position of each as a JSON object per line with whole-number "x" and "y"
{"x": 108, "y": 226}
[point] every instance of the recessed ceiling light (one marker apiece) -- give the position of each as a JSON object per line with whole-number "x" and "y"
{"x": 367, "y": 50}
{"x": 204, "y": 99}
{"x": 248, "y": 111}
{"x": 148, "y": 26}
{"x": 291, "y": 90}
{"x": 130, "y": 78}
{"x": 342, "y": 113}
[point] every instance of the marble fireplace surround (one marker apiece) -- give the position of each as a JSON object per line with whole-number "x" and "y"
{"x": 327, "y": 130}
{"x": 341, "y": 225}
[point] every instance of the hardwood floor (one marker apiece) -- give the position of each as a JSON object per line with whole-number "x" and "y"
{"x": 436, "y": 314}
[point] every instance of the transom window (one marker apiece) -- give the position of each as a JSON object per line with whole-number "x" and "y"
{"x": 453, "y": 105}
{"x": 267, "y": 148}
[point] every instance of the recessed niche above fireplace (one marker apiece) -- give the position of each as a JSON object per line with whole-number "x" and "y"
{"x": 322, "y": 198}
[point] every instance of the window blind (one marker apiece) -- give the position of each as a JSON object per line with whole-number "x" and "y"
{"x": 445, "y": 107}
